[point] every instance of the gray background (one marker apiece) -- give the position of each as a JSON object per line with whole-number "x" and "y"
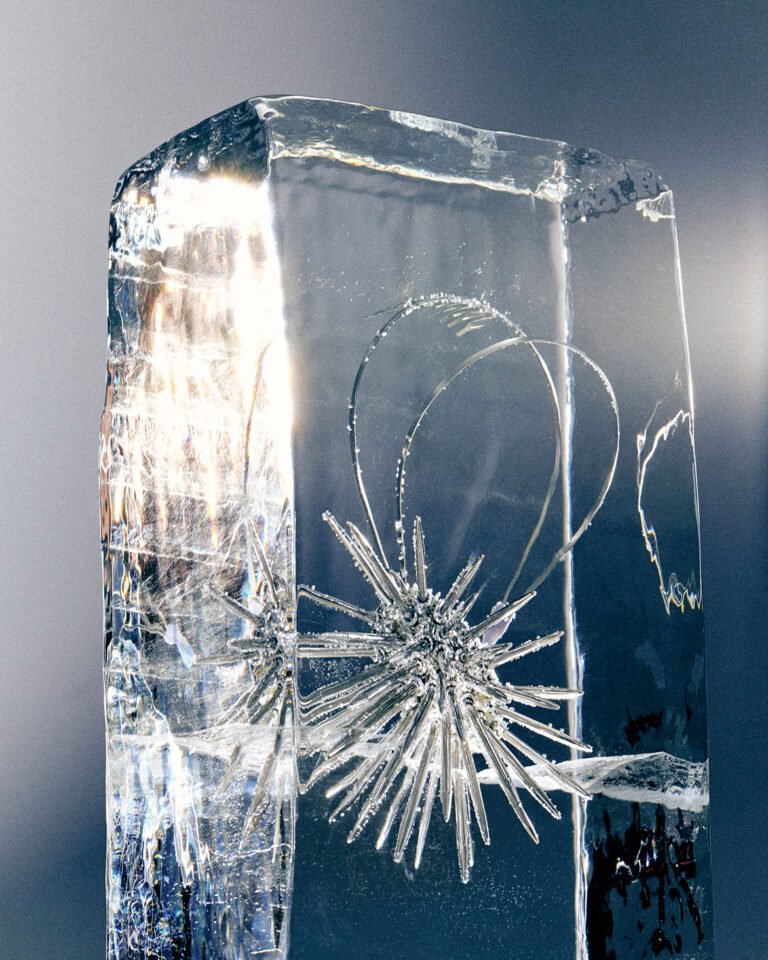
{"x": 87, "y": 88}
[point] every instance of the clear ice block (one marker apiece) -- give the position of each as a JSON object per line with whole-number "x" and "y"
{"x": 404, "y": 649}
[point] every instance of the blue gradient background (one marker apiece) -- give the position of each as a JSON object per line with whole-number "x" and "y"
{"x": 87, "y": 88}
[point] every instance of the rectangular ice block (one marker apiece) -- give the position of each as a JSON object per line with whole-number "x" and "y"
{"x": 404, "y": 650}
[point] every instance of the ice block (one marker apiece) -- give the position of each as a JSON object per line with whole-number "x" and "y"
{"x": 404, "y": 648}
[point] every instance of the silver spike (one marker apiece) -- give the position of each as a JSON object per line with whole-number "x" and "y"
{"x": 426, "y": 816}
{"x": 471, "y": 773}
{"x": 505, "y": 782}
{"x": 255, "y": 542}
{"x": 505, "y": 613}
{"x": 461, "y": 582}
{"x": 506, "y": 652}
{"x": 546, "y": 730}
{"x": 333, "y": 603}
{"x": 420, "y": 559}
{"x": 538, "y": 758}
{"x": 406, "y": 824}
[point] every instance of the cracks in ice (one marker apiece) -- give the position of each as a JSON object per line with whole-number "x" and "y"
{"x": 268, "y": 651}
{"x": 661, "y": 433}
{"x": 132, "y": 708}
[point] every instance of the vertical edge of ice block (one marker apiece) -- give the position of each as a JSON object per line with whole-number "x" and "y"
{"x": 645, "y": 840}
{"x": 197, "y": 528}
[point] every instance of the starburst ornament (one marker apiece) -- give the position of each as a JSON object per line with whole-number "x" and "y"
{"x": 412, "y": 723}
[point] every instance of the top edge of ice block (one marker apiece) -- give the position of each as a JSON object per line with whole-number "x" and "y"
{"x": 247, "y": 138}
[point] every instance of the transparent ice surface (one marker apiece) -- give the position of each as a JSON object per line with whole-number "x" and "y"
{"x": 404, "y": 647}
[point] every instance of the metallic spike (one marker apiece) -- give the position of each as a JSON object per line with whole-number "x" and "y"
{"x": 551, "y": 768}
{"x": 360, "y": 778}
{"x": 356, "y": 681}
{"x": 394, "y": 807}
{"x": 359, "y": 558}
{"x": 546, "y": 730}
{"x": 419, "y": 554}
{"x": 505, "y": 613}
{"x": 553, "y": 693}
{"x": 461, "y": 582}
{"x": 392, "y": 768}
{"x": 446, "y": 772}
{"x": 329, "y": 645}
{"x": 380, "y": 712}
{"x": 389, "y": 707}
{"x": 426, "y": 816}
{"x": 235, "y": 761}
{"x": 406, "y": 824}
{"x": 333, "y": 603}
{"x": 475, "y": 791}
{"x": 467, "y": 607}
{"x": 530, "y": 784}
{"x": 236, "y": 607}
{"x": 379, "y": 563}
{"x": 255, "y": 543}
{"x": 505, "y": 652}
{"x": 464, "y": 845}
{"x": 495, "y": 760}
{"x": 521, "y": 695}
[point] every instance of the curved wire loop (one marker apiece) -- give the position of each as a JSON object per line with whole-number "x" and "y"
{"x": 607, "y": 480}
{"x": 468, "y": 315}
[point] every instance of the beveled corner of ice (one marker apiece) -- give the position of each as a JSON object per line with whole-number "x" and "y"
{"x": 245, "y": 139}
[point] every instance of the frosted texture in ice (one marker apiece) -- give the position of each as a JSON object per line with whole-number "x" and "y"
{"x": 403, "y": 608}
